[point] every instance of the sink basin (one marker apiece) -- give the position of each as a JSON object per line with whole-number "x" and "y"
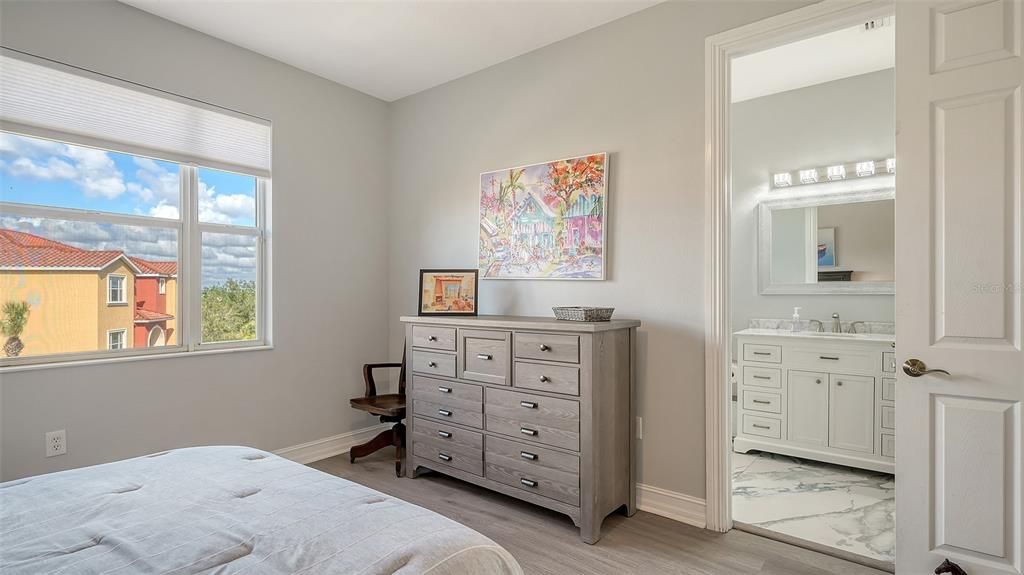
{"x": 832, "y": 334}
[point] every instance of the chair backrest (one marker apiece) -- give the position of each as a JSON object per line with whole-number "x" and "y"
{"x": 401, "y": 374}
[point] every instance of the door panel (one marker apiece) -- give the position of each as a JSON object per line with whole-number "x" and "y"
{"x": 959, "y": 77}
{"x": 807, "y": 412}
{"x": 851, "y": 412}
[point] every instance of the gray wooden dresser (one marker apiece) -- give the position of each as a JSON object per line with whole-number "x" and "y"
{"x": 535, "y": 408}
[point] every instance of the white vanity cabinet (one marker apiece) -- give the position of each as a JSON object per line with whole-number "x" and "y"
{"x": 827, "y": 397}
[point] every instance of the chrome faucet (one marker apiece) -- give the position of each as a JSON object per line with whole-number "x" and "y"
{"x": 853, "y": 326}
{"x": 821, "y": 327}
{"x": 837, "y": 326}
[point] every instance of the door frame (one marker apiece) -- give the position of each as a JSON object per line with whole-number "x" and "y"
{"x": 719, "y": 50}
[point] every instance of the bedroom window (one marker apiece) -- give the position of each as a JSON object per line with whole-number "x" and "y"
{"x": 138, "y": 213}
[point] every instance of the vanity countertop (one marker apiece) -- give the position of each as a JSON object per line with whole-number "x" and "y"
{"x": 884, "y": 337}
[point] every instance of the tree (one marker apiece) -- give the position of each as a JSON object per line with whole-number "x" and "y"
{"x": 567, "y": 179}
{"x": 229, "y": 311}
{"x": 12, "y": 323}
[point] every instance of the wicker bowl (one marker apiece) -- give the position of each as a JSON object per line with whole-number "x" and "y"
{"x": 579, "y": 313}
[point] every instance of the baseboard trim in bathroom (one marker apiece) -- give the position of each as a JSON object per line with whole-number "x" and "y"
{"x": 811, "y": 545}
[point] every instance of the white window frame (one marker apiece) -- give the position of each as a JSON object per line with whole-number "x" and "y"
{"x": 189, "y": 293}
{"x": 123, "y": 289}
{"x": 161, "y": 286}
{"x": 123, "y": 332}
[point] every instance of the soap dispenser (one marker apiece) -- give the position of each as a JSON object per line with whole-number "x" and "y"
{"x": 796, "y": 319}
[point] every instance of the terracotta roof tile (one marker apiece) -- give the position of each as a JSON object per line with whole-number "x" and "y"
{"x": 24, "y": 250}
{"x": 149, "y": 315}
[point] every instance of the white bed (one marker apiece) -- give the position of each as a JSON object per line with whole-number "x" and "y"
{"x": 226, "y": 510}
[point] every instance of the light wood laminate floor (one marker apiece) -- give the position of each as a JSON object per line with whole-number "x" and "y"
{"x": 545, "y": 542}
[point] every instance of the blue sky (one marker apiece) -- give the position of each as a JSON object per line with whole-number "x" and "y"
{"x": 42, "y": 172}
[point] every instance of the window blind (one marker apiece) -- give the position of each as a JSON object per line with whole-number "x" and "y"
{"x": 41, "y": 98}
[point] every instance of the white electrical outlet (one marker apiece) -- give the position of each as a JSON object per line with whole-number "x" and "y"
{"x": 639, "y": 427}
{"x": 56, "y": 443}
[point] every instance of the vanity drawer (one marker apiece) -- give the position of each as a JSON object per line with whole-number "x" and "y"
{"x": 529, "y": 417}
{"x": 888, "y": 447}
{"x": 544, "y": 377}
{"x": 455, "y": 395}
{"x": 433, "y": 363}
{"x": 442, "y": 338}
{"x": 761, "y": 352}
{"x": 545, "y": 471}
{"x": 549, "y": 346}
{"x": 762, "y": 376}
{"x": 453, "y": 410}
{"x": 888, "y": 389}
{"x": 760, "y": 401}
{"x": 486, "y": 355}
{"x": 825, "y": 359}
{"x": 447, "y": 457}
{"x": 763, "y": 426}
{"x": 888, "y": 417}
{"x": 448, "y": 438}
{"x": 889, "y": 361}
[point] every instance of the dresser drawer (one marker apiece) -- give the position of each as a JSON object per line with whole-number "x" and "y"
{"x": 433, "y": 337}
{"x": 763, "y": 426}
{"x": 549, "y": 346}
{"x": 543, "y": 471}
{"x": 529, "y": 417}
{"x": 888, "y": 417}
{"x": 888, "y": 447}
{"x": 461, "y": 396}
{"x": 761, "y": 352}
{"x": 544, "y": 377}
{"x": 888, "y": 389}
{"x": 824, "y": 359}
{"x": 444, "y": 456}
{"x": 455, "y": 412}
{"x": 486, "y": 356}
{"x": 761, "y": 401}
{"x": 447, "y": 437}
{"x": 762, "y": 376}
{"x": 433, "y": 363}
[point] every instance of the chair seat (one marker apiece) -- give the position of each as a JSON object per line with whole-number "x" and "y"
{"x": 388, "y": 405}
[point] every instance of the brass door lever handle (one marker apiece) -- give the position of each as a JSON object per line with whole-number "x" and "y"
{"x": 916, "y": 368}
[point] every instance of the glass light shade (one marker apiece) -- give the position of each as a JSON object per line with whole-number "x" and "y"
{"x": 782, "y": 180}
{"x": 836, "y": 172}
{"x": 865, "y": 169}
{"x": 890, "y": 165}
{"x": 808, "y": 176}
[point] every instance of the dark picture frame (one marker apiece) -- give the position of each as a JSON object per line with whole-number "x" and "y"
{"x": 445, "y": 292}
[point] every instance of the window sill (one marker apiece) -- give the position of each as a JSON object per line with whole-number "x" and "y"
{"x": 108, "y": 360}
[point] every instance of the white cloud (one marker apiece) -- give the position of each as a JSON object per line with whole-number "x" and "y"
{"x": 91, "y": 170}
{"x": 157, "y": 184}
{"x": 53, "y": 169}
{"x": 217, "y": 208}
{"x": 164, "y": 210}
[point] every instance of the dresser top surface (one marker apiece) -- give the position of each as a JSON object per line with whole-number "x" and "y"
{"x": 523, "y": 322}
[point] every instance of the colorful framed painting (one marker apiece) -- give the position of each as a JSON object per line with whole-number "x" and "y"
{"x": 545, "y": 221}
{"x": 448, "y": 292}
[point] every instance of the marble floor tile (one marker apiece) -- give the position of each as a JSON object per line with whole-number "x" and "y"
{"x": 842, "y": 507}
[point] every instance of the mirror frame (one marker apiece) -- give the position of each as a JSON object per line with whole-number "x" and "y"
{"x": 809, "y": 197}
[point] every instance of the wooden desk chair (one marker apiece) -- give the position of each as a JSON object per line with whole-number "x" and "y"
{"x": 391, "y": 409}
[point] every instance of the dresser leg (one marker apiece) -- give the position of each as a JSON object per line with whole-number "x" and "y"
{"x": 590, "y": 530}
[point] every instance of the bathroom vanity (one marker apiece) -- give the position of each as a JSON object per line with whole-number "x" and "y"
{"x": 823, "y": 396}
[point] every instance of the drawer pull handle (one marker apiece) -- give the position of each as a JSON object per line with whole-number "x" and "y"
{"x": 762, "y": 353}
{"x": 528, "y": 455}
{"x": 431, "y": 364}
{"x": 759, "y": 426}
{"x": 525, "y": 431}
{"x": 432, "y": 338}
{"x": 544, "y": 379}
{"x": 828, "y": 357}
{"x": 765, "y": 377}
{"x": 484, "y": 356}
{"x": 444, "y": 434}
{"x": 817, "y": 381}
{"x": 839, "y": 383}
{"x": 761, "y": 401}
{"x": 444, "y": 457}
{"x": 528, "y": 404}
{"x": 528, "y": 482}
{"x": 444, "y": 412}
{"x": 444, "y": 389}
{"x": 545, "y": 347}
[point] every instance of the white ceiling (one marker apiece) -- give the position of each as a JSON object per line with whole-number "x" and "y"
{"x": 391, "y": 48}
{"x": 840, "y": 54}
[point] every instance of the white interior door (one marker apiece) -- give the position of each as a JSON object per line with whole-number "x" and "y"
{"x": 958, "y": 301}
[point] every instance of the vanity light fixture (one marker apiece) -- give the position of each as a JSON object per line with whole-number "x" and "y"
{"x": 890, "y": 165}
{"x": 865, "y": 169}
{"x": 836, "y": 172}
{"x": 808, "y": 176}
{"x": 783, "y": 180}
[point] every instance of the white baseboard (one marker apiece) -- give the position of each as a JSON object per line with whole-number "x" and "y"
{"x": 677, "y": 506}
{"x": 330, "y": 446}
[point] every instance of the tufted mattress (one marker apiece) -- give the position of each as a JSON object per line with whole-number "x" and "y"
{"x": 226, "y": 510}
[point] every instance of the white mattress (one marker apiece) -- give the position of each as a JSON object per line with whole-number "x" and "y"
{"x": 226, "y": 510}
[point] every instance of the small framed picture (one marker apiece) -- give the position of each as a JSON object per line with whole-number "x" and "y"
{"x": 448, "y": 292}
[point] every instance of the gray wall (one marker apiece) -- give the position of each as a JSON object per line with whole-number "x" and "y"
{"x": 330, "y": 238}
{"x": 633, "y": 88}
{"x": 865, "y": 238}
{"x": 836, "y": 122}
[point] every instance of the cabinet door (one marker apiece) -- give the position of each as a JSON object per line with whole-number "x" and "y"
{"x": 851, "y": 412}
{"x": 807, "y": 408}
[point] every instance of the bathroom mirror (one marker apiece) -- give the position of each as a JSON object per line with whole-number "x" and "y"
{"x": 819, "y": 240}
